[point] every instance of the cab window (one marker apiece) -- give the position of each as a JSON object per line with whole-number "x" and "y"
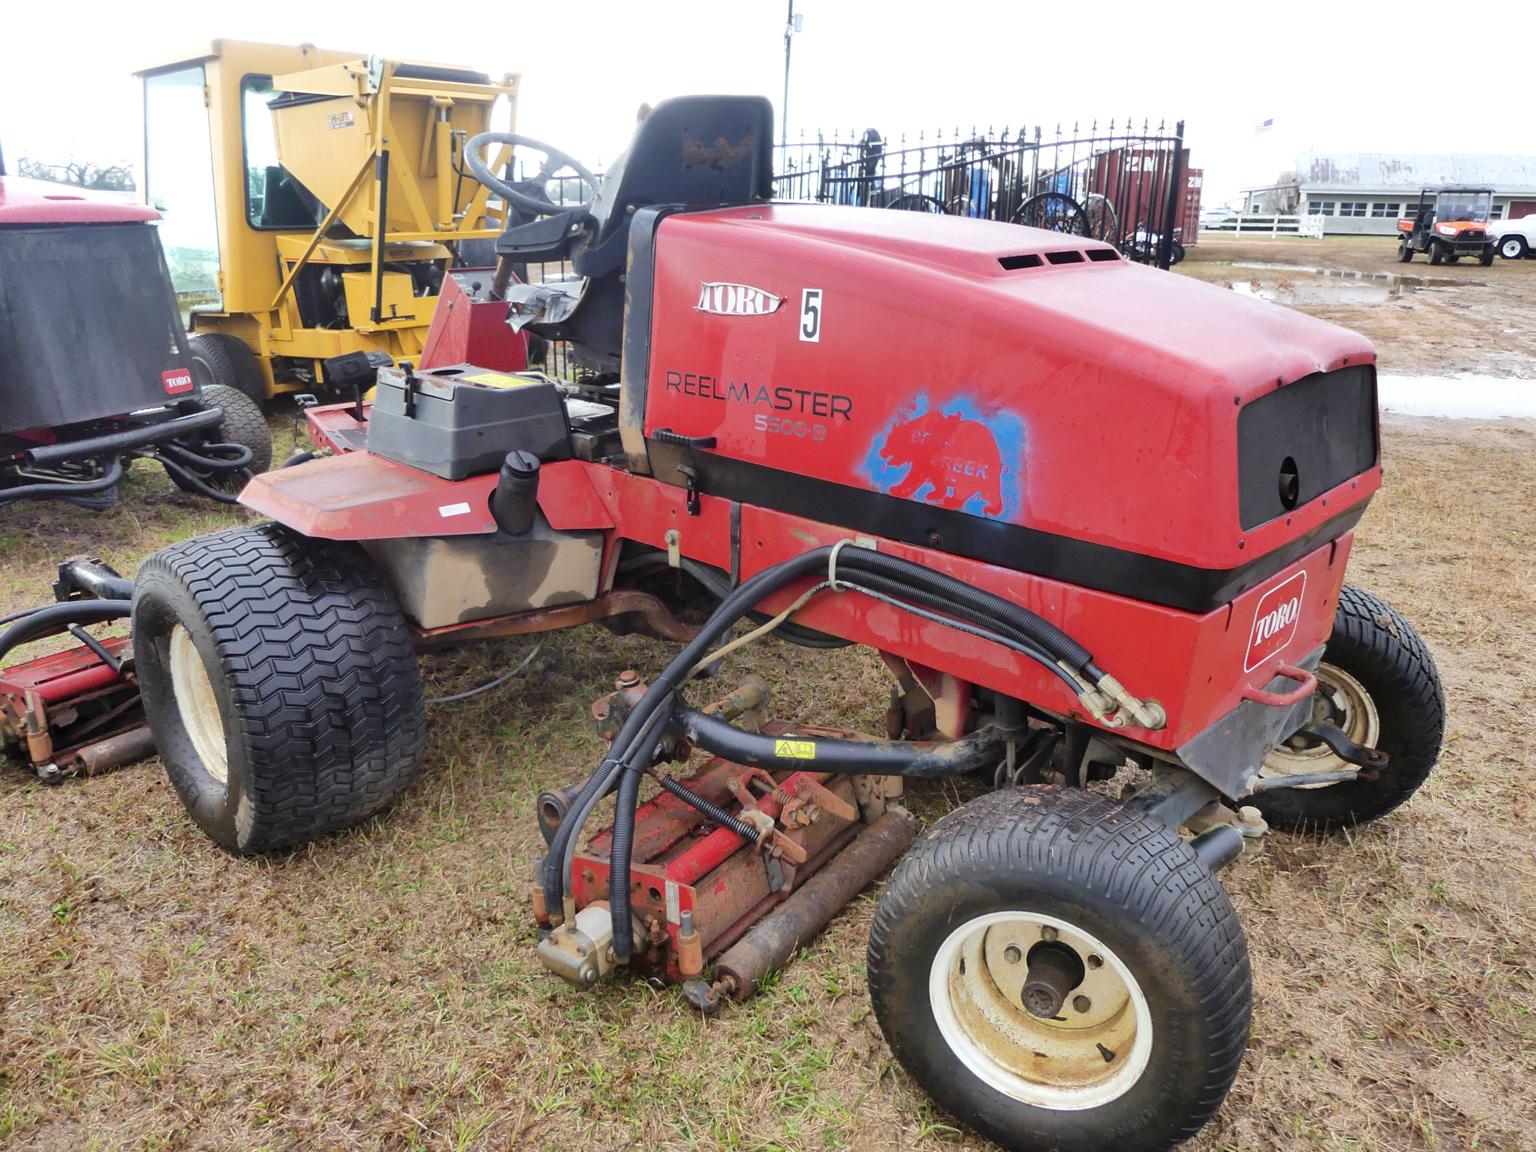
{"x": 178, "y": 183}
{"x": 273, "y": 199}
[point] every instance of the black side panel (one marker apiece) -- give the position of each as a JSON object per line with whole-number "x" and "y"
{"x": 1295, "y": 443}
{"x": 88, "y": 324}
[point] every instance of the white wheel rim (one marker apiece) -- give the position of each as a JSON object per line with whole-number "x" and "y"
{"x": 197, "y": 705}
{"x": 1340, "y": 700}
{"x": 974, "y": 988}
{"x": 1511, "y": 249}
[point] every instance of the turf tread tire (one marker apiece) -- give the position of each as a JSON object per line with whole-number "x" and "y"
{"x": 243, "y": 423}
{"x": 227, "y": 360}
{"x": 1128, "y": 877}
{"x": 318, "y": 686}
{"x": 1376, "y": 645}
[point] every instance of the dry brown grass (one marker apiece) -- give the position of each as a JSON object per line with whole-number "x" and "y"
{"x": 379, "y": 989}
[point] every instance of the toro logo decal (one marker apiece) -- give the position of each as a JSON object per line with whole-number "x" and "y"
{"x": 736, "y": 300}
{"x": 951, "y": 457}
{"x": 176, "y": 381}
{"x": 1275, "y": 620}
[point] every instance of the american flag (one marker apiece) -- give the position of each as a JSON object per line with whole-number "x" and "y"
{"x": 1263, "y": 126}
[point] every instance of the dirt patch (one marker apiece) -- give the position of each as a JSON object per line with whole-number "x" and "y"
{"x": 1449, "y": 319}
{"x": 379, "y": 989}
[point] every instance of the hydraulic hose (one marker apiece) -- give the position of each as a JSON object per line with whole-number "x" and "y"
{"x": 877, "y": 757}
{"x": 194, "y": 482}
{"x": 57, "y": 617}
{"x": 231, "y": 457}
{"x": 125, "y": 441}
{"x": 889, "y": 575}
{"x": 64, "y": 490}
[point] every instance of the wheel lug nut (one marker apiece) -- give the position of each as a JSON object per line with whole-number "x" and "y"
{"x": 1081, "y": 1004}
{"x": 1012, "y": 954}
{"x": 1095, "y": 961}
{"x": 1048, "y": 933}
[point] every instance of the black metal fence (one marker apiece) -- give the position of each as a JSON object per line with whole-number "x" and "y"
{"x": 1122, "y": 184}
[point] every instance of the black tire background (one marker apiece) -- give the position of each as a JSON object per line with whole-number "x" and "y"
{"x": 243, "y": 423}
{"x": 317, "y": 683}
{"x": 1120, "y": 875}
{"x": 1385, "y": 653}
{"x": 220, "y": 358}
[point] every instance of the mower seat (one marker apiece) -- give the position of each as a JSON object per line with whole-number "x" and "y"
{"x": 691, "y": 152}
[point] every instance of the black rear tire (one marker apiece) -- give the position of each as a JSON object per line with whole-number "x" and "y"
{"x": 314, "y": 717}
{"x": 1124, "y": 884}
{"x": 1381, "y": 653}
{"x": 1404, "y": 252}
{"x": 219, "y": 358}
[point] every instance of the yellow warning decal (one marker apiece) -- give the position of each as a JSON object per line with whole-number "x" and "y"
{"x": 498, "y": 380}
{"x": 795, "y": 749}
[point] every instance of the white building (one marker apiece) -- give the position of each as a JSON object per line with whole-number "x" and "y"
{"x": 1368, "y": 192}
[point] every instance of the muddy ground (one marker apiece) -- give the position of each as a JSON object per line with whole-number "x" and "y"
{"x": 1454, "y": 318}
{"x": 379, "y": 989}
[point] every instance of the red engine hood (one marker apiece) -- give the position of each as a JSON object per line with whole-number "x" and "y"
{"x": 40, "y": 202}
{"x": 1028, "y": 379}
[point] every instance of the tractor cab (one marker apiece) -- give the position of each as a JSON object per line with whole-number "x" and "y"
{"x": 1447, "y": 224}
{"x": 313, "y": 203}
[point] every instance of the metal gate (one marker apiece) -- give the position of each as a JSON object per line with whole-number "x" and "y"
{"x": 1121, "y": 185}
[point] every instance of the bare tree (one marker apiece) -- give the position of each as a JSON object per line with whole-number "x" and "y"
{"x": 85, "y": 173}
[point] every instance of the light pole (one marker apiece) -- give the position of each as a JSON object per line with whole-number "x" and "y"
{"x": 792, "y": 24}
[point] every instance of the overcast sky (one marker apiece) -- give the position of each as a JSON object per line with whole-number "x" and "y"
{"x": 1341, "y": 76}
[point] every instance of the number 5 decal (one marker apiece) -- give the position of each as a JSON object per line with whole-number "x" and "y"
{"x": 810, "y": 315}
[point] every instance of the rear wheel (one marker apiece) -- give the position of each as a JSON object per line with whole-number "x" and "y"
{"x": 1377, "y": 683}
{"x": 219, "y": 358}
{"x": 1404, "y": 252}
{"x": 1059, "y": 971}
{"x": 1512, "y": 247}
{"x": 279, "y": 683}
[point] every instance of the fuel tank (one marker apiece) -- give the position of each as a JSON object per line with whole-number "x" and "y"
{"x": 1023, "y": 397}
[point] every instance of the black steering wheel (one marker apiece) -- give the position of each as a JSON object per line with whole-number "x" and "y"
{"x": 554, "y": 161}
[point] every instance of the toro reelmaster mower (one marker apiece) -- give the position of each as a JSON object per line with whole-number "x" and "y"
{"x": 94, "y": 366}
{"x": 1094, "y": 518}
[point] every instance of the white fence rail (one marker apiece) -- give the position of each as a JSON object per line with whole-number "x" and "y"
{"x": 1310, "y": 227}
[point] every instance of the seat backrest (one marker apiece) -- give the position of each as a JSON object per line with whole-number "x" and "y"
{"x": 696, "y": 151}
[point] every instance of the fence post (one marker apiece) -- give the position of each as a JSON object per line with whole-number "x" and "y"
{"x": 1175, "y": 199}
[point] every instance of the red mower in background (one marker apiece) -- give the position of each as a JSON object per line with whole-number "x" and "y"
{"x": 1094, "y": 518}
{"x": 94, "y": 366}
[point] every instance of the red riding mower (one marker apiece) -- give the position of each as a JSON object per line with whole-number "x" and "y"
{"x": 1095, "y": 519}
{"x": 94, "y": 366}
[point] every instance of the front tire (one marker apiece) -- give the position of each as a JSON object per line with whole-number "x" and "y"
{"x": 279, "y": 683}
{"x": 243, "y": 424}
{"x": 1378, "y": 683}
{"x": 1436, "y": 252}
{"x": 1513, "y": 247}
{"x": 219, "y": 358}
{"x": 1151, "y": 1028}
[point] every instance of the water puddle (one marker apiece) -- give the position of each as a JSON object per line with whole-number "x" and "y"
{"x": 1460, "y": 397}
{"x": 1307, "y": 284}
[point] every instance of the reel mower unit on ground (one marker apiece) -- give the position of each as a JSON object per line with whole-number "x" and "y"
{"x": 1094, "y": 518}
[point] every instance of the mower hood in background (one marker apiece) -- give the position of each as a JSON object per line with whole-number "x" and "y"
{"x": 89, "y": 324}
{"x": 40, "y": 202}
{"x": 1010, "y": 393}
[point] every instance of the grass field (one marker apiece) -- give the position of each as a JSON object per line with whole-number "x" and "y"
{"x": 380, "y": 990}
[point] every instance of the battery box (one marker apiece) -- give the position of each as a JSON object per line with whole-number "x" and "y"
{"x": 461, "y": 420}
